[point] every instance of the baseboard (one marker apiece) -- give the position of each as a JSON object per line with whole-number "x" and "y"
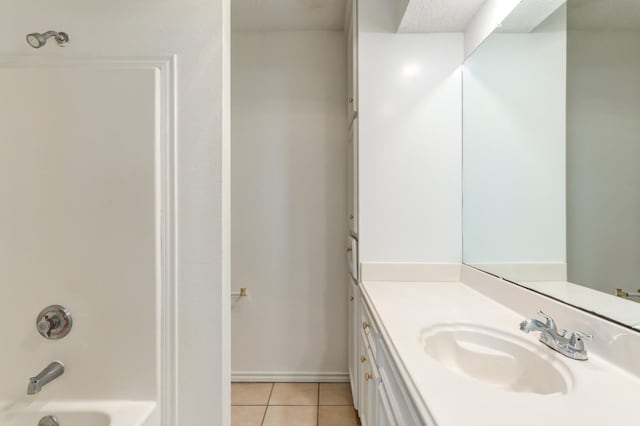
{"x": 256, "y": 376}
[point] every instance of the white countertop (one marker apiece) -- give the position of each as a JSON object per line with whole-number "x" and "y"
{"x": 601, "y": 393}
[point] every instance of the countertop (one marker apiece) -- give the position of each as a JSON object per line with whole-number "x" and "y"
{"x": 600, "y": 393}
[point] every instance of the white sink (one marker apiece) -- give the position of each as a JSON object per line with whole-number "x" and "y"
{"x": 497, "y": 358}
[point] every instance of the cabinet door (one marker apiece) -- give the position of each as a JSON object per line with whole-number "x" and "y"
{"x": 397, "y": 401}
{"x": 352, "y": 171}
{"x": 352, "y": 61}
{"x": 354, "y": 361}
{"x": 385, "y": 413}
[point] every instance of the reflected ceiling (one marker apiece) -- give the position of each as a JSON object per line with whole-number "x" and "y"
{"x": 425, "y": 16}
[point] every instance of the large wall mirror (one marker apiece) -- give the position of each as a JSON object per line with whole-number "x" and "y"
{"x": 551, "y": 183}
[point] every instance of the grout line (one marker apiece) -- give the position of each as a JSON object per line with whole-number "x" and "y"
{"x": 336, "y": 405}
{"x": 270, "y": 394}
{"x": 299, "y": 405}
{"x": 264, "y": 415}
{"x": 248, "y": 405}
{"x": 318, "y": 408}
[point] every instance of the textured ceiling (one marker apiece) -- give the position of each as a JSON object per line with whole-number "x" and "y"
{"x": 528, "y": 15}
{"x": 287, "y": 15}
{"x": 595, "y": 15}
{"x": 423, "y": 16}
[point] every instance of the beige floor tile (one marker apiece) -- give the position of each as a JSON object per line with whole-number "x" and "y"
{"x": 335, "y": 394}
{"x": 247, "y": 415}
{"x": 291, "y": 415}
{"x": 250, "y": 393}
{"x": 294, "y": 394}
{"x": 337, "y": 416}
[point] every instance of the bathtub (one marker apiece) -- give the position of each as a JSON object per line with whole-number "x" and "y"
{"x": 77, "y": 413}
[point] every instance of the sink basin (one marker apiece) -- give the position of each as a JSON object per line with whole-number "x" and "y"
{"x": 497, "y": 358}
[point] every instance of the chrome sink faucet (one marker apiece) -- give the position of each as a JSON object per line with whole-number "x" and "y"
{"x": 572, "y": 347}
{"x": 50, "y": 373}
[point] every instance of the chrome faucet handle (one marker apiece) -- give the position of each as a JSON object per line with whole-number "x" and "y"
{"x": 551, "y": 324}
{"x": 562, "y": 332}
{"x": 54, "y": 322}
{"x": 576, "y": 341}
{"x": 45, "y": 326}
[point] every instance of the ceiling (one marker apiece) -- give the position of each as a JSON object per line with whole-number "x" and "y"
{"x": 529, "y": 14}
{"x": 612, "y": 15}
{"x": 287, "y": 15}
{"x": 423, "y": 16}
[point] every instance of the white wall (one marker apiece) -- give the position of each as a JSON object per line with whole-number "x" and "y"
{"x": 289, "y": 196}
{"x": 410, "y": 141}
{"x": 193, "y": 31}
{"x": 514, "y": 147}
{"x": 603, "y": 149}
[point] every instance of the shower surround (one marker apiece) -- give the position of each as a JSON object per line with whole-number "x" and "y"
{"x": 80, "y": 226}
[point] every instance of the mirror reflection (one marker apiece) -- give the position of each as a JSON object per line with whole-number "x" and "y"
{"x": 551, "y": 150}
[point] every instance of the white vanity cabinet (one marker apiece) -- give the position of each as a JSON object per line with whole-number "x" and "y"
{"x": 382, "y": 397}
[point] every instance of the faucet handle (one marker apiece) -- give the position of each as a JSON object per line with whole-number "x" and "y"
{"x": 45, "y": 326}
{"x": 562, "y": 332}
{"x": 551, "y": 324}
{"x": 576, "y": 341}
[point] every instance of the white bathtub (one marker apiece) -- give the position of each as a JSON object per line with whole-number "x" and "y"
{"x": 77, "y": 413}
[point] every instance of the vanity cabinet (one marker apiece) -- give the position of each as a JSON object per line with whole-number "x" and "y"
{"x": 382, "y": 399}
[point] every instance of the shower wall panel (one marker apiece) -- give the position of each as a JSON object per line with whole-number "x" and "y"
{"x": 79, "y": 227}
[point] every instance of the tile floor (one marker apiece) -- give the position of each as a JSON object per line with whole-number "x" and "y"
{"x": 292, "y": 404}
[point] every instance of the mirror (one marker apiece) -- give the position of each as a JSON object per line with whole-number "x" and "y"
{"x": 551, "y": 168}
